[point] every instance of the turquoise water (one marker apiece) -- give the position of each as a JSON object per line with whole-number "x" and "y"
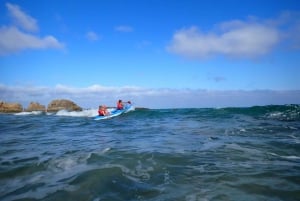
{"x": 172, "y": 154}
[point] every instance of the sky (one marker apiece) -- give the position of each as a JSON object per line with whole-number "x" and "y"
{"x": 156, "y": 53}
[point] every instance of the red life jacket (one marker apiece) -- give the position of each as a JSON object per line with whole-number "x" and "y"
{"x": 120, "y": 106}
{"x": 101, "y": 112}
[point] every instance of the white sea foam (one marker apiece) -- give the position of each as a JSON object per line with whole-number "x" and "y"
{"x": 100, "y": 152}
{"x": 276, "y": 114}
{"x": 58, "y": 169}
{"x": 106, "y": 150}
{"x": 291, "y": 157}
{"x": 244, "y": 149}
{"x": 29, "y": 113}
{"x": 242, "y": 130}
{"x": 137, "y": 174}
{"x": 287, "y": 157}
{"x": 83, "y": 113}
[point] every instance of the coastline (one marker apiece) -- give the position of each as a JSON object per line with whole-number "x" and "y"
{"x": 54, "y": 106}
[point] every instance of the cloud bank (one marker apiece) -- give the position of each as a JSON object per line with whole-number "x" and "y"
{"x": 238, "y": 39}
{"x": 92, "y": 96}
{"x": 21, "y": 34}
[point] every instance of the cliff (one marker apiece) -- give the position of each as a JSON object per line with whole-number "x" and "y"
{"x": 10, "y": 107}
{"x": 34, "y": 106}
{"x": 62, "y": 104}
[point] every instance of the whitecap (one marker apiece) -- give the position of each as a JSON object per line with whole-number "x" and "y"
{"x": 29, "y": 113}
{"x": 276, "y": 114}
{"x": 100, "y": 152}
{"x": 244, "y": 149}
{"x": 287, "y": 157}
{"x": 62, "y": 164}
{"x": 291, "y": 157}
{"x": 106, "y": 150}
{"x": 83, "y": 113}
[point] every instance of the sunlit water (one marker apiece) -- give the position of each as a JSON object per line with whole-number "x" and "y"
{"x": 173, "y": 154}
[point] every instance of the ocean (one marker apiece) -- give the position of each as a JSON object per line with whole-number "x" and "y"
{"x": 153, "y": 154}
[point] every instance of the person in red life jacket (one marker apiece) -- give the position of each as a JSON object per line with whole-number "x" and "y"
{"x": 120, "y": 105}
{"x": 102, "y": 110}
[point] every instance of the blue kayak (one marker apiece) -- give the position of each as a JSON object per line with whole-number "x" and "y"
{"x": 115, "y": 112}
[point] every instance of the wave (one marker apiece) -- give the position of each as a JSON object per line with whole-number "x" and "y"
{"x": 83, "y": 113}
{"x": 272, "y": 112}
{"x": 29, "y": 113}
{"x": 276, "y": 112}
{"x": 292, "y": 157}
{"x": 284, "y": 113}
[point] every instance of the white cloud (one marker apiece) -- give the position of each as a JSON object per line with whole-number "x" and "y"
{"x": 250, "y": 38}
{"x": 92, "y": 36}
{"x": 21, "y": 18}
{"x": 236, "y": 39}
{"x": 13, "y": 39}
{"x": 124, "y": 28}
{"x": 92, "y": 96}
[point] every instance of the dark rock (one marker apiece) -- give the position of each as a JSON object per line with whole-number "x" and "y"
{"x": 34, "y": 106}
{"x": 62, "y": 104}
{"x": 10, "y": 107}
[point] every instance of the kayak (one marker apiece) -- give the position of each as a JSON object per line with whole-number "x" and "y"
{"x": 116, "y": 112}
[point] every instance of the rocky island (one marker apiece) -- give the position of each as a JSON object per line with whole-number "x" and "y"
{"x": 10, "y": 107}
{"x": 62, "y": 104}
{"x": 53, "y": 106}
{"x": 35, "y": 106}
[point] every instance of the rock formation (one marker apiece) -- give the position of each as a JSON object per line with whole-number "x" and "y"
{"x": 62, "y": 104}
{"x": 34, "y": 106}
{"x": 10, "y": 107}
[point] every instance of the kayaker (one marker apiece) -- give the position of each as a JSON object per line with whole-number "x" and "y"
{"x": 102, "y": 110}
{"x": 120, "y": 105}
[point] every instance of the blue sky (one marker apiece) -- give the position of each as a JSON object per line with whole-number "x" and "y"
{"x": 159, "y": 54}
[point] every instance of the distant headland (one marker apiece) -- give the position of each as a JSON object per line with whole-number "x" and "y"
{"x": 53, "y": 106}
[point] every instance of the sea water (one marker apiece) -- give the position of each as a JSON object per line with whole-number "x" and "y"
{"x": 163, "y": 154}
